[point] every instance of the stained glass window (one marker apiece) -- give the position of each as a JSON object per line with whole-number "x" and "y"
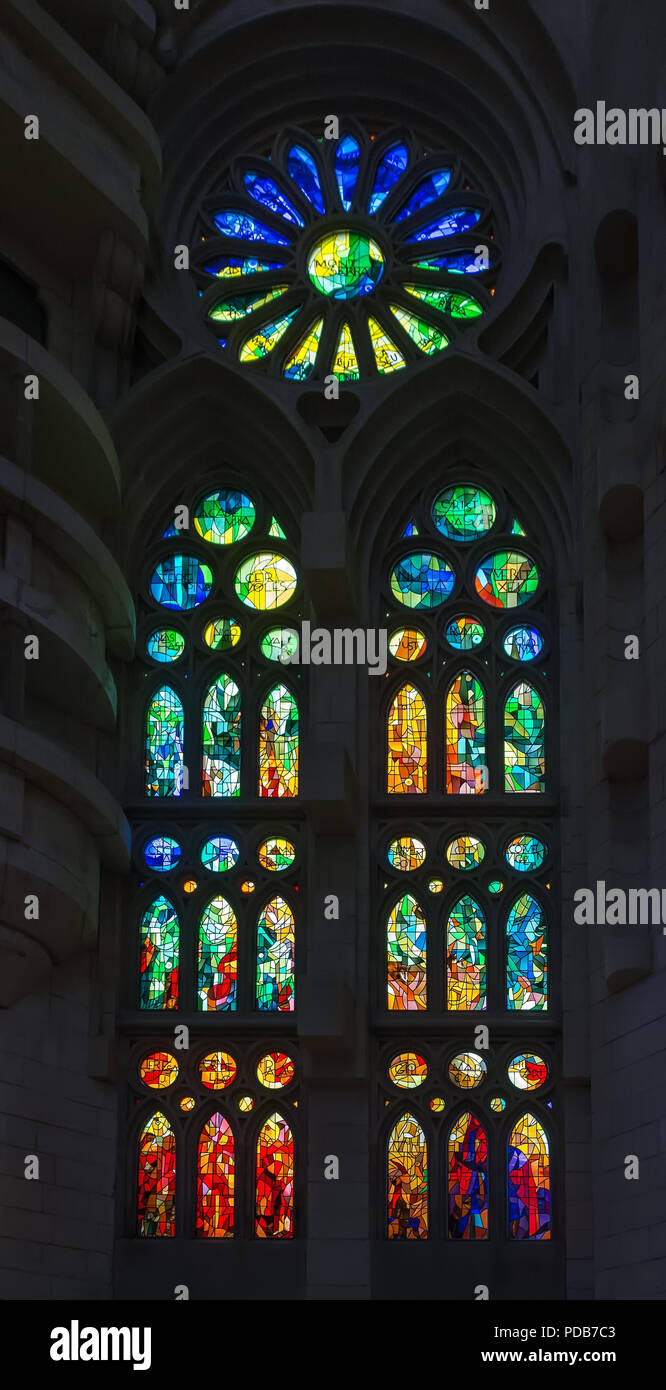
{"x": 407, "y": 742}
{"x": 465, "y": 735}
{"x": 157, "y": 1178}
{"x": 160, "y": 940}
{"x": 528, "y": 1165}
{"x": 215, "y": 1178}
{"x": 527, "y": 946}
{"x": 524, "y": 742}
{"x": 275, "y": 956}
{"x": 303, "y": 210}
{"x": 218, "y": 954}
{"x": 165, "y": 736}
{"x": 468, "y": 1180}
{"x": 407, "y": 1181}
{"x": 278, "y": 744}
{"x": 466, "y": 955}
{"x": 406, "y": 944}
{"x": 222, "y": 739}
{"x": 275, "y": 1180}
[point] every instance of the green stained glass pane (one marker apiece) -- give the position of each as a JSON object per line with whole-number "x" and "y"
{"x": 266, "y": 581}
{"x": 464, "y": 512}
{"x": 427, "y": 338}
{"x": 240, "y": 305}
{"x": 524, "y": 741}
{"x": 222, "y": 739}
{"x": 457, "y": 306}
{"x": 159, "y": 934}
{"x": 276, "y": 531}
{"x": 224, "y": 516}
{"x": 280, "y": 644}
{"x": 466, "y": 956}
{"x": 266, "y": 338}
{"x": 506, "y": 579}
{"x": 516, "y": 528}
{"x": 217, "y": 957}
{"x": 165, "y": 644}
{"x": 345, "y": 265}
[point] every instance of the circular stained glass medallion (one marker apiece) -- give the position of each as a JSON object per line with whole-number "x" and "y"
{"x": 345, "y": 265}
{"x": 265, "y": 581}
{"x": 422, "y": 580}
{"x": 224, "y": 516}
{"x": 506, "y": 579}
{"x": 464, "y": 512}
{"x": 408, "y": 1070}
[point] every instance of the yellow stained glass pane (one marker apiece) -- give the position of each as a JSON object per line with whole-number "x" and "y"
{"x": 407, "y": 768}
{"x": 300, "y": 364}
{"x": 345, "y": 361}
{"x": 387, "y": 356}
{"x": 427, "y": 338}
{"x": 407, "y": 1181}
{"x": 240, "y": 305}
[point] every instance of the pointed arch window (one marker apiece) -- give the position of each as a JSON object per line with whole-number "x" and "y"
{"x": 407, "y": 955}
{"x": 160, "y": 939}
{"x": 165, "y": 739}
{"x": 157, "y": 1178}
{"x": 462, "y": 589}
{"x": 466, "y": 955}
{"x": 219, "y": 840}
{"x": 528, "y": 1176}
{"x": 407, "y": 742}
{"x": 524, "y": 740}
{"x": 278, "y": 744}
{"x": 275, "y": 956}
{"x": 527, "y": 955}
{"x": 407, "y": 1181}
{"x": 465, "y": 735}
{"x": 274, "y": 1206}
{"x": 215, "y": 1178}
{"x": 468, "y": 1179}
{"x": 222, "y": 739}
{"x": 218, "y": 957}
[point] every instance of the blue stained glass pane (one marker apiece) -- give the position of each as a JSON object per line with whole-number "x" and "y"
{"x": 266, "y": 192}
{"x": 170, "y": 532}
{"x": 449, "y": 224}
{"x": 233, "y": 267}
{"x": 181, "y": 581}
{"x": 431, "y": 187}
{"x": 523, "y": 643}
{"x": 391, "y": 167}
{"x": 347, "y": 159}
{"x": 162, "y": 854}
{"x": 456, "y": 262}
{"x": 305, "y": 174}
{"x": 247, "y": 228}
{"x": 219, "y": 854}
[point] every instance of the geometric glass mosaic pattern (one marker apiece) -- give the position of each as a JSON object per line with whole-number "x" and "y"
{"x": 387, "y": 238}
{"x": 407, "y": 1181}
